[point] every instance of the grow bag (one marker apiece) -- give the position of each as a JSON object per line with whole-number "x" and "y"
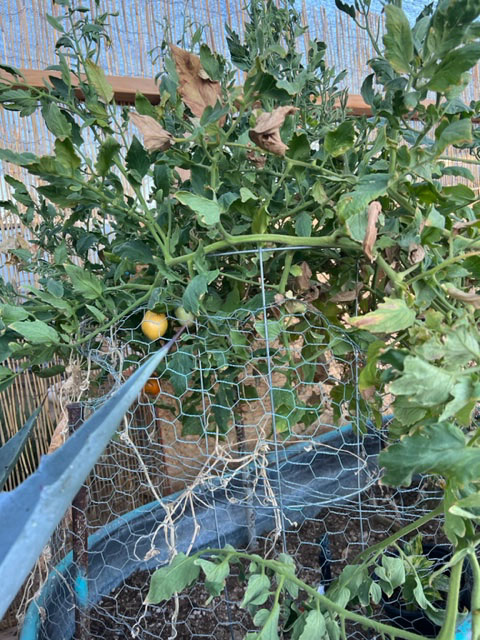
{"x": 305, "y": 477}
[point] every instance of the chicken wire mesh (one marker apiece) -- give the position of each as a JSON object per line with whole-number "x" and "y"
{"x": 254, "y": 434}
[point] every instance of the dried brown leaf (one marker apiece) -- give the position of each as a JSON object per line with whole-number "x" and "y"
{"x": 416, "y": 253}
{"x": 302, "y": 282}
{"x": 374, "y": 210}
{"x": 266, "y": 133}
{"x": 195, "y": 87}
{"x": 155, "y": 138}
{"x": 469, "y": 297}
{"x": 458, "y": 226}
{"x": 258, "y": 160}
{"x": 368, "y": 394}
{"x": 347, "y": 296}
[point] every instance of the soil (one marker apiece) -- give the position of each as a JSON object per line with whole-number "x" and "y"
{"x": 350, "y": 527}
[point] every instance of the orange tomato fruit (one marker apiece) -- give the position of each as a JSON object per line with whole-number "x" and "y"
{"x": 152, "y": 387}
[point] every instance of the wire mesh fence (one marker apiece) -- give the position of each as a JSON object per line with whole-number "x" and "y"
{"x": 254, "y": 433}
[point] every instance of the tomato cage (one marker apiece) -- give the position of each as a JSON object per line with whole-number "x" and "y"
{"x": 254, "y": 432}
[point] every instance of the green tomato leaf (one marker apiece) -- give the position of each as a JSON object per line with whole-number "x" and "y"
{"x": 424, "y": 384}
{"x": 257, "y": 590}
{"x": 268, "y": 620}
{"x": 456, "y": 132}
{"x": 9, "y": 313}
{"x": 196, "y": 290}
{"x": 11, "y": 451}
{"x": 449, "y": 72}
{"x": 173, "y": 578}
{"x": 84, "y": 282}
{"x": 436, "y": 449}
{"x": 274, "y": 329}
{"x": 398, "y": 39}
{"x": 138, "y": 160}
{"x": 66, "y": 156}
{"x": 98, "y": 80}
{"x": 108, "y": 150}
{"x": 215, "y": 572}
{"x": 391, "y": 315}
{"x": 340, "y": 139}
{"x": 314, "y": 626}
{"x": 208, "y": 211}
{"x": 303, "y": 224}
{"x": 36, "y": 332}
{"x": 369, "y": 188}
{"x": 56, "y": 122}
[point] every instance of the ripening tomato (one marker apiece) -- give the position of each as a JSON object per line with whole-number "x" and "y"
{"x": 154, "y": 325}
{"x": 152, "y": 387}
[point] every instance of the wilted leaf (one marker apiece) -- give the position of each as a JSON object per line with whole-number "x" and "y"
{"x": 96, "y": 76}
{"x": 266, "y": 133}
{"x": 302, "y": 281}
{"x": 257, "y": 160}
{"x": 171, "y": 579}
{"x": 195, "y": 87}
{"x": 347, "y": 296}
{"x": 423, "y": 383}
{"x": 468, "y": 297}
{"x": 155, "y": 137}
{"x": 416, "y": 253}
{"x": 390, "y": 316}
{"x": 374, "y": 210}
{"x": 439, "y": 448}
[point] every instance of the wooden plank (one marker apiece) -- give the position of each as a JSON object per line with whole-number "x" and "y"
{"x": 125, "y": 88}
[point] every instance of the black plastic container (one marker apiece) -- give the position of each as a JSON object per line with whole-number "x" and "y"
{"x": 416, "y": 619}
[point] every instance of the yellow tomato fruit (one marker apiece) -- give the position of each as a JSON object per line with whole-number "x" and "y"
{"x": 152, "y": 387}
{"x": 154, "y": 325}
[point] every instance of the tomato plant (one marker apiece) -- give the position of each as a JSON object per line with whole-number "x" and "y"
{"x": 159, "y": 220}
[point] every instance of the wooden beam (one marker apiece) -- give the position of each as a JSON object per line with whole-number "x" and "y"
{"x": 125, "y": 88}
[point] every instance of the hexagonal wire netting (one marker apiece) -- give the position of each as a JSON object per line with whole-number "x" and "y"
{"x": 256, "y": 436}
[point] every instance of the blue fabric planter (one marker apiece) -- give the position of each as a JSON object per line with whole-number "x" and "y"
{"x": 307, "y": 476}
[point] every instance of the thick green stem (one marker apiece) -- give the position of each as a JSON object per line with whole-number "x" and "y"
{"x": 448, "y": 628}
{"x": 475, "y": 602}
{"x": 286, "y": 272}
{"x": 395, "y": 277}
{"x": 330, "y": 242}
{"x": 442, "y": 265}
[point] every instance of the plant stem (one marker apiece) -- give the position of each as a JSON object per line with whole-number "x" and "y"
{"x": 442, "y": 265}
{"x": 111, "y": 322}
{"x": 413, "y": 526}
{"x": 286, "y": 272}
{"x": 330, "y": 242}
{"x": 281, "y": 570}
{"x": 448, "y": 627}
{"x": 475, "y": 602}
{"x": 395, "y": 277}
